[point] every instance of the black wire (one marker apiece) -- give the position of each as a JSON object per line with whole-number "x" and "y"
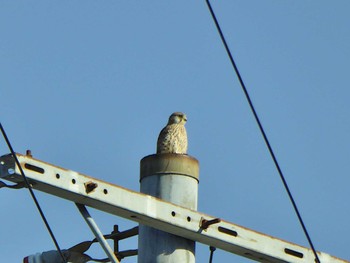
{"x": 32, "y": 193}
{"x": 212, "y": 249}
{"x": 262, "y": 130}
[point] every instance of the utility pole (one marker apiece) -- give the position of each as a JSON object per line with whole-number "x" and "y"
{"x": 172, "y": 178}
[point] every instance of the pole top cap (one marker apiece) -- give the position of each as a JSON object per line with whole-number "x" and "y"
{"x": 169, "y": 163}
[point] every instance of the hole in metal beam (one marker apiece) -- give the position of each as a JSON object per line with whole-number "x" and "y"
{"x": 227, "y": 231}
{"x": 293, "y": 253}
{"x": 34, "y": 168}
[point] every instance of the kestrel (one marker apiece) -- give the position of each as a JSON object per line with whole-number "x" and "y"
{"x": 173, "y": 137}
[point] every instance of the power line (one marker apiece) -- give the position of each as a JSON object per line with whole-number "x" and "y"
{"x": 32, "y": 193}
{"x": 262, "y": 130}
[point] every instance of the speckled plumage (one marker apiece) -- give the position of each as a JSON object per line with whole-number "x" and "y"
{"x": 173, "y": 137}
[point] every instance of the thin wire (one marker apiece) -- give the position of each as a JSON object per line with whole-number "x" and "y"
{"x": 32, "y": 193}
{"x": 262, "y": 131}
{"x": 212, "y": 249}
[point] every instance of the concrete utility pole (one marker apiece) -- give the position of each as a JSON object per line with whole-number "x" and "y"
{"x": 172, "y": 178}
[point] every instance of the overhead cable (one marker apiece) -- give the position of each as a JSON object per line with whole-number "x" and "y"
{"x": 32, "y": 193}
{"x": 262, "y": 130}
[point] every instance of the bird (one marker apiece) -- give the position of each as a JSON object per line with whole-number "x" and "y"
{"x": 173, "y": 137}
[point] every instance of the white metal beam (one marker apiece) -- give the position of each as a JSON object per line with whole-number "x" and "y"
{"x": 156, "y": 213}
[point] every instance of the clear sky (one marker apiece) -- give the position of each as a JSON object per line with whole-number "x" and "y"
{"x": 88, "y": 85}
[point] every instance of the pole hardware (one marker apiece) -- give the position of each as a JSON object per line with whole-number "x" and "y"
{"x": 13, "y": 186}
{"x": 204, "y": 223}
{"x": 212, "y": 249}
{"x": 90, "y": 186}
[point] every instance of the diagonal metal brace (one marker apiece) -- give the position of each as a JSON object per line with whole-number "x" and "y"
{"x": 99, "y": 236}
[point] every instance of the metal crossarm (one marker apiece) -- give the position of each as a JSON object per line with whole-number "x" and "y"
{"x": 156, "y": 213}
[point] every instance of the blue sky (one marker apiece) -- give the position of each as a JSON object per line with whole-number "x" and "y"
{"x": 87, "y": 85}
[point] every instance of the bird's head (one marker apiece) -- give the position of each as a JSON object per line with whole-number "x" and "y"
{"x": 177, "y": 118}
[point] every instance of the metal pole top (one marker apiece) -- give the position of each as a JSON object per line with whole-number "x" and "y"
{"x": 169, "y": 163}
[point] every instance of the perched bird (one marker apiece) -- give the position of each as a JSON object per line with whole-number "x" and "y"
{"x": 173, "y": 137}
